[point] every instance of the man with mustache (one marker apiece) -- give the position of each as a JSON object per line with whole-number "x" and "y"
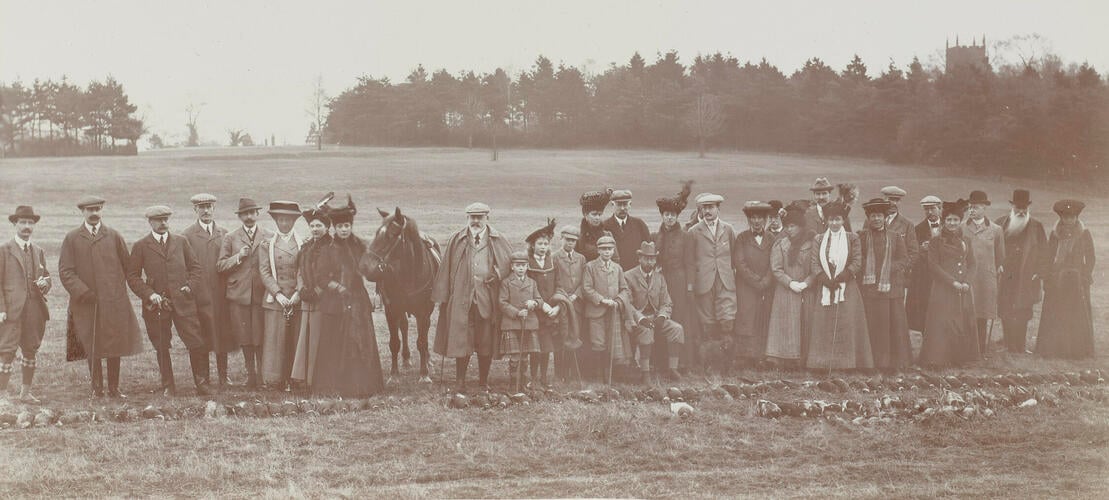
{"x": 754, "y": 282}
{"x": 1020, "y": 286}
{"x": 206, "y": 238}
{"x": 920, "y": 278}
{"x": 628, "y": 231}
{"x": 898, "y": 225}
{"x": 93, "y": 269}
{"x": 988, "y": 245}
{"x": 23, "y": 311}
{"x": 238, "y": 262}
{"x": 821, "y": 195}
{"x": 476, "y": 259}
{"x": 712, "y": 275}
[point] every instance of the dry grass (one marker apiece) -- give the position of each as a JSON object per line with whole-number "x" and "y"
{"x": 420, "y": 449}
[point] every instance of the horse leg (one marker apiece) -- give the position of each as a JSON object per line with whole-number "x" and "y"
{"x": 423, "y": 326}
{"x": 394, "y": 338}
{"x": 403, "y": 322}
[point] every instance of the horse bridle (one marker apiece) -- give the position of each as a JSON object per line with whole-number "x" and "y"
{"x": 383, "y": 259}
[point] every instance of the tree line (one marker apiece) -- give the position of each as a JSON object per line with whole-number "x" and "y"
{"x": 1037, "y": 117}
{"x": 60, "y": 118}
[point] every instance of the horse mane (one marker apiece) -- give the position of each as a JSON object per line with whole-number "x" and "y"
{"x": 414, "y": 252}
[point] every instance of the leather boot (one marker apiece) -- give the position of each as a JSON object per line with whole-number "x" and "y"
{"x": 251, "y": 373}
{"x": 165, "y": 368}
{"x": 198, "y": 360}
{"x": 460, "y": 366}
{"x": 96, "y": 376}
{"x": 113, "y": 379}
{"x": 221, "y": 369}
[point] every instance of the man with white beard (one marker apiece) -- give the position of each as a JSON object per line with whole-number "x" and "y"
{"x": 1019, "y": 287}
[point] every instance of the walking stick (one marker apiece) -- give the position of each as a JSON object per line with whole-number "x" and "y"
{"x": 835, "y": 327}
{"x": 92, "y": 350}
{"x": 611, "y": 351}
{"x": 520, "y": 362}
{"x": 989, "y": 333}
{"x": 577, "y": 368}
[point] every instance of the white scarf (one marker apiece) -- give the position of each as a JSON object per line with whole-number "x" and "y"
{"x": 273, "y": 263}
{"x": 837, "y": 255}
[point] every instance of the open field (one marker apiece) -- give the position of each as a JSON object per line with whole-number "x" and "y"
{"x": 420, "y": 448}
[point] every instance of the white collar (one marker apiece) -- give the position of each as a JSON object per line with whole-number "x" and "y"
{"x": 92, "y": 229}
{"x": 23, "y": 244}
{"x": 285, "y": 236}
{"x": 206, "y": 226}
{"x": 621, "y": 221}
{"x": 250, "y": 230}
{"x": 539, "y": 260}
{"x": 159, "y": 237}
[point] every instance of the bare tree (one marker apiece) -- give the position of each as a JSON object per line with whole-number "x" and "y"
{"x": 192, "y": 114}
{"x": 706, "y": 119}
{"x": 317, "y": 109}
{"x": 235, "y": 137}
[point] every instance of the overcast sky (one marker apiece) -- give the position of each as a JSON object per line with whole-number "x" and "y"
{"x": 252, "y": 63}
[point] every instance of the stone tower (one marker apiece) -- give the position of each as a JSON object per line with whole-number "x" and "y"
{"x": 964, "y": 56}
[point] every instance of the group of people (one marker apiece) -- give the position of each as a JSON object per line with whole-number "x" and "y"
{"x": 797, "y": 289}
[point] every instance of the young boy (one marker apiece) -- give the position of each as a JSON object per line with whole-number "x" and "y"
{"x": 519, "y": 297}
{"x": 541, "y": 268}
{"x": 569, "y": 269}
{"x": 605, "y": 290}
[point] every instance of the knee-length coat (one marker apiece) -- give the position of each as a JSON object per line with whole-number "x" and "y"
{"x": 454, "y": 286}
{"x": 988, "y": 244}
{"x": 1024, "y": 258}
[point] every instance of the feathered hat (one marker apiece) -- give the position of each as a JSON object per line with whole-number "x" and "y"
{"x": 595, "y": 201}
{"x": 958, "y": 207}
{"x": 319, "y": 211}
{"x": 345, "y": 214}
{"x": 675, "y": 204}
{"x": 543, "y": 232}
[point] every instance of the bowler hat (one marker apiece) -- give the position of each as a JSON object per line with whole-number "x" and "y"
{"x": 1021, "y": 198}
{"x": 23, "y": 212}
{"x": 647, "y": 249}
{"x": 978, "y": 198}
{"x": 284, "y": 208}
{"x": 247, "y": 205}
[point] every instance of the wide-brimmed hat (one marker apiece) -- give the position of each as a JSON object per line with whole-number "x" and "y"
{"x": 821, "y": 184}
{"x": 647, "y": 249}
{"x": 247, "y": 205}
{"x": 1021, "y": 198}
{"x": 978, "y": 198}
{"x": 677, "y": 203}
{"x": 751, "y": 208}
{"x": 23, "y": 212}
{"x": 546, "y": 231}
{"x": 877, "y": 205}
{"x": 595, "y": 201}
{"x": 284, "y": 208}
{"x": 1068, "y": 207}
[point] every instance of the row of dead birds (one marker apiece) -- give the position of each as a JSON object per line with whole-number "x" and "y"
{"x": 981, "y": 395}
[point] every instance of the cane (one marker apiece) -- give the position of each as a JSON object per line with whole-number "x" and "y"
{"x": 577, "y": 368}
{"x": 92, "y": 350}
{"x": 520, "y": 361}
{"x": 835, "y": 326}
{"x": 989, "y": 334}
{"x": 611, "y": 351}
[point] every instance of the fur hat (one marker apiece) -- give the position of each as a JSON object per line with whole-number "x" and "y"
{"x": 595, "y": 201}
{"x": 675, "y": 204}
{"x": 794, "y": 215}
{"x": 958, "y": 208}
{"x": 342, "y": 215}
{"x": 1068, "y": 207}
{"x": 543, "y": 232}
{"x": 835, "y": 208}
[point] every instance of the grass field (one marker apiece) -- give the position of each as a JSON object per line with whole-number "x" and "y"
{"x": 417, "y": 447}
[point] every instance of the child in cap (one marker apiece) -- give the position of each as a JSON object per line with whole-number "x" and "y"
{"x": 605, "y": 288}
{"x": 519, "y": 300}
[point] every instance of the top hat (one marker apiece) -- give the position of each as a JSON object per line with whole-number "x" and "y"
{"x": 978, "y": 198}
{"x": 23, "y": 212}
{"x": 1021, "y": 198}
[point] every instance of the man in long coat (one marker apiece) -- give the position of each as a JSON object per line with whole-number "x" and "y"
{"x": 163, "y": 272}
{"x": 754, "y": 283}
{"x": 898, "y": 224}
{"x": 206, "y": 237}
{"x": 628, "y": 231}
{"x": 920, "y": 279}
{"x": 477, "y": 258}
{"x": 1025, "y": 246}
{"x": 24, "y": 284}
{"x": 238, "y": 263}
{"x": 709, "y": 265}
{"x": 988, "y": 245}
{"x": 93, "y": 269}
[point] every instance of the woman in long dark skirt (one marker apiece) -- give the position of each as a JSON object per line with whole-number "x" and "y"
{"x": 950, "y": 330}
{"x": 1066, "y": 325}
{"x": 347, "y": 360}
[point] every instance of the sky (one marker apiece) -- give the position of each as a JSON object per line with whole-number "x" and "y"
{"x": 252, "y": 65}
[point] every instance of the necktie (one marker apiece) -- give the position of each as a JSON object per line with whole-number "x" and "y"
{"x": 208, "y": 229}
{"x": 27, "y": 248}
{"x": 94, "y": 228}
{"x": 477, "y": 239}
{"x": 162, "y": 240}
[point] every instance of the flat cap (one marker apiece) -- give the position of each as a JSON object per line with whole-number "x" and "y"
{"x": 930, "y": 200}
{"x": 202, "y": 198}
{"x": 606, "y": 241}
{"x": 709, "y": 199}
{"x": 518, "y": 256}
{"x": 571, "y": 231}
{"x": 893, "y": 192}
{"x": 477, "y": 208}
{"x": 158, "y": 211}
{"x": 621, "y": 195}
{"x": 89, "y": 201}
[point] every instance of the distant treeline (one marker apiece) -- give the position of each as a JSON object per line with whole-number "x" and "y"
{"x": 51, "y": 118}
{"x": 1038, "y": 118}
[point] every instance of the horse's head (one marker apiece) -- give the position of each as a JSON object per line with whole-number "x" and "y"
{"x": 386, "y": 252}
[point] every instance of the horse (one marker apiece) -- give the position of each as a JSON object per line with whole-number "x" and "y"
{"x": 403, "y": 262}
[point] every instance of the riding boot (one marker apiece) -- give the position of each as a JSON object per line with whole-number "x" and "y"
{"x": 483, "y": 365}
{"x": 96, "y": 376}
{"x": 198, "y": 360}
{"x": 460, "y": 366}
{"x": 165, "y": 368}
{"x": 251, "y": 372}
{"x": 534, "y": 364}
{"x": 221, "y": 369}
{"x": 113, "y": 378}
{"x": 28, "y": 369}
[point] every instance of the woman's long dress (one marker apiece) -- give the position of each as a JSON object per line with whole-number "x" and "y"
{"x": 544, "y": 277}
{"x": 950, "y": 330}
{"x": 1066, "y": 325}
{"x": 673, "y": 246}
{"x": 304, "y": 360}
{"x": 347, "y": 362}
{"x": 839, "y": 338}
{"x": 791, "y": 313}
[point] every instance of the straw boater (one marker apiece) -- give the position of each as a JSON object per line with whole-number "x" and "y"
{"x": 277, "y": 264}
{"x": 885, "y": 271}
{"x": 238, "y": 263}
{"x": 674, "y": 246}
{"x": 163, "y": 273}
{"x": 713, "y": 279}
{"x": 24, "y": 284}
{"x": 475, "y": 261}
{"x": 1066, "y": 327}
{"x": 920, "y": 280}
{"x": 1025, "y": 252}
{"x": 93, "y": 269}
{"x": 628, "y": 231}
{"x": 754, "y": 282}
{"x": 988, "y": 245}
{"x": 651, "y": 310}
{"x": 206, "y": 237}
